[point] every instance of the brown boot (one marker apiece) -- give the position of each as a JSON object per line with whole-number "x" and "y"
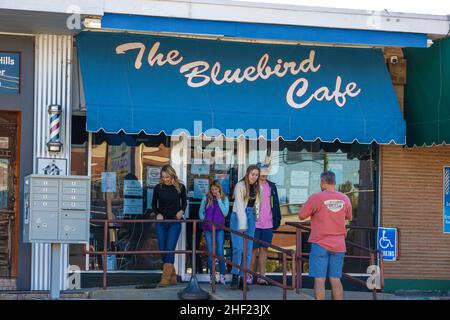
{"x": 173, "y": 275}
{"x": 165, "y": 277}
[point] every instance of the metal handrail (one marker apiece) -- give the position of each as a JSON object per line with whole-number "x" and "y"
{"x": 245, "y": 268}
{"x": 302, "y": 227}
{"x": 286, "y": 252}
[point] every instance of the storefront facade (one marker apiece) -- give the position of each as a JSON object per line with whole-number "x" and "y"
{"x": 304, "y": 99}
{"x": 154, "y": 100}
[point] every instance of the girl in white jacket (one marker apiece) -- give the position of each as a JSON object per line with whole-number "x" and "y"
{"x": 247, "y": 201}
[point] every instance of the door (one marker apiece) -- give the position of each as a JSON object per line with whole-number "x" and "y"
{"x": 8, "y": 192}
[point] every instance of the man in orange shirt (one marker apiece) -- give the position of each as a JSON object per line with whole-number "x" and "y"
{"x": 328, "y": 211}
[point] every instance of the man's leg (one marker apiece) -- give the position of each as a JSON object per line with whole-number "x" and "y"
{"x": 337, "y": 291}
{"x": 336, "y": 263}
{"x": 319, "y": 288}
{"x": 318, "y": 267}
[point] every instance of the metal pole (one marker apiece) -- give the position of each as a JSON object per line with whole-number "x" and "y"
{"x": 244, "y": 281}
{"x": 284, "y": 275}
{"x": 193, "y": 290}
{"x": 105, "y": 250}
{"x": 55, "y": 271}
{"x": 299, "y": 259}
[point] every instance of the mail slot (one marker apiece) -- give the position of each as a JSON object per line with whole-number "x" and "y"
{"x": 74, "y": 184}
{"x": 74, "y": 197}
{"x": 75, "y": 205}
{"x": 45, "y": 204}
{"x": 74, "y": 191}
{"x": 52, "y": 190}
{"x": 45, "y": 183}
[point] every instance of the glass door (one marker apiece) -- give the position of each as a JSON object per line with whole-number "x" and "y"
{"x": 8, "y": 190}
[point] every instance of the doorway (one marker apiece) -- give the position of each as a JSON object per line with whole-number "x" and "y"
{"x": 9, "y": 179}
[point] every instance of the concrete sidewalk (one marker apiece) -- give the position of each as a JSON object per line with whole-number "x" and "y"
{"x": 222, "y": 293}
{"x": 171, "y": 293}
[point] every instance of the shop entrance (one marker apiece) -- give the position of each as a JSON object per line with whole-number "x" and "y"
{"x": 9, "y": 177}
{"x": 295, "y": 168}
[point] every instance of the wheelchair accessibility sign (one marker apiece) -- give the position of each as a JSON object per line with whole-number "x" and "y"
{"x": 387, "y": 243}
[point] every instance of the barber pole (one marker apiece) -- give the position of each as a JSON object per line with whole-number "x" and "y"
{"x": 54, "y": 144}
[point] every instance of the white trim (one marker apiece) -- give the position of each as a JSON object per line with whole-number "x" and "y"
{"x": 89, "y": 173}
{"x": 224, "y": 10}
{"x": 61, "y": 6}
{"x": 283, "y": 14}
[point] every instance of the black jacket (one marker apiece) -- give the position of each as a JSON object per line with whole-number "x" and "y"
{"x": 275, "y": 205}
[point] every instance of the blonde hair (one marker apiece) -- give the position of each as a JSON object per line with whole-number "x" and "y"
{"x": 247, "y": 182}
{"x": 173, "y": 174}
{"x": 210, "y": 199}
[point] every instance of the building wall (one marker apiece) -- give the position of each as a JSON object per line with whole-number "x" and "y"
{"x": 411, "y": 200}
{"x": 53, "y": 85}
{"x": 22, "y": 102}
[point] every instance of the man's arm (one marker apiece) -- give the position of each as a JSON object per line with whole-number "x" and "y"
{"x": 348, "y": 211}
{"x": 307, "y": 210}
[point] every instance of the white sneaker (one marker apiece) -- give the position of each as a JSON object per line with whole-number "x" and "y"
{"x": 211, "y": 279}
{"x": 222, "y": 279}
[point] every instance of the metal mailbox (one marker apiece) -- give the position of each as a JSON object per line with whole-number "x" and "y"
{"x": 57, "y": 209}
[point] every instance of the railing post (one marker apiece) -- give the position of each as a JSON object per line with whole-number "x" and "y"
{"x": 380, "y": 263}
{"x": 213, "y": 258}
{"x": 294, "y": 270}
{"x": 105, "y": 251}
{"x": 298, "y": 259}
{"x": 244, "y": 281}
{"x": 372, "y": 263}
{"x": 284, "y": 275}
{"x": 194, "y": 247}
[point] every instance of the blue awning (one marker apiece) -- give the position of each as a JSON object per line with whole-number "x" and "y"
{"x": 263, "y": 31}
{"x": 135, "y": 83}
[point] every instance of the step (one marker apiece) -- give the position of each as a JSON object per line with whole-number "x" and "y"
{"x": 8, "y": 284}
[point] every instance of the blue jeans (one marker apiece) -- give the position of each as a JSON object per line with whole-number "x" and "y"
{"x": 238, "y": 242}
{"x": 219, "y": 248}
{"x": 168, "y": 234}
{"x": 324, "y": 263}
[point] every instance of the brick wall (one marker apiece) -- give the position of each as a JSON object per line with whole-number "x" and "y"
{"x": 411, "y": 200}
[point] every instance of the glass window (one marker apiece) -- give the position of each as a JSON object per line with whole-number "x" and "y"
{"x": 296, "y": 169}
{"x": 79, "y": 167}
{"x": 123, "y": 178}
{"x": 209, "y": 160}
{"x": 4, "y": 168}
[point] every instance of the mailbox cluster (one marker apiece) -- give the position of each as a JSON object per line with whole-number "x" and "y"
{"x": 57, "y": 209}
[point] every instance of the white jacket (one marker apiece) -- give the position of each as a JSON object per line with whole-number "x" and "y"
{"x": 240, "y": 205}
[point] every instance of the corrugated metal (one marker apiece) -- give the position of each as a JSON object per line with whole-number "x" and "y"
{"x": 411, "y": 199}
{"x": 53, "y": 75}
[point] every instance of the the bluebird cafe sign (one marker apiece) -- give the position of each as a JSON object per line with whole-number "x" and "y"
{"x": 9, "y": 72}
{"x": 287, "y": 87}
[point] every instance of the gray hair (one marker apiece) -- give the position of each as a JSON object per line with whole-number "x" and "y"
{"x": 328, "y": 177}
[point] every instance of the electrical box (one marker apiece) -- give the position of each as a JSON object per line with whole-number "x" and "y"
{"x": 57, "y": 209}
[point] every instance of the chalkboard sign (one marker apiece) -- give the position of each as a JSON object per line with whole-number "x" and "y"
{"x": 9, "y": 72}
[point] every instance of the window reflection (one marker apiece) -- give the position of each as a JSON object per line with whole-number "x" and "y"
{"x": 296, "y": 169}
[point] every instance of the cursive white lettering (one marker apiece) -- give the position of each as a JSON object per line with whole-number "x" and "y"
{"x": 299, "y": 89}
